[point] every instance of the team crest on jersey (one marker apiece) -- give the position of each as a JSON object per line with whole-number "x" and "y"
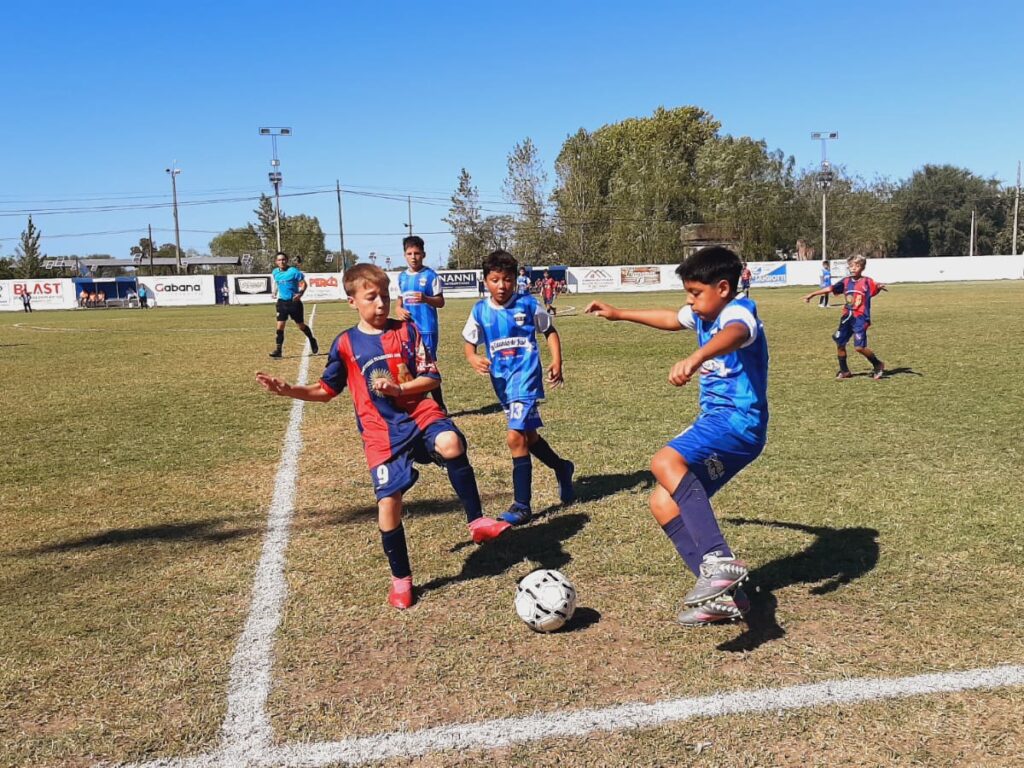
{"x": 376, "y": 375}
{"x": 714, "y": 365}
{"x": 714, "y": 466}
{"x": 520, "y": 318}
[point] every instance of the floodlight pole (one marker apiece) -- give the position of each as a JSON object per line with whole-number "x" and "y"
{"x": 174, "y": 171}
{"x": 341, "y": 230}
{"x": 1016, "y": 210}
{"x": 825, "y": 180}
{"x": 275, "y": 176}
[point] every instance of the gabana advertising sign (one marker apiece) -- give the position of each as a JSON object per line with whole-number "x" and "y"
{"x": 179, "y": 290}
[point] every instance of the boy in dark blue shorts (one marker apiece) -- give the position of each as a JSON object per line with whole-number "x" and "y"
{"x": 507, "y": 324}
{"x": 732, "y": 365}
{"x": 856, "y": 317}
{"x": 389, "y": 371}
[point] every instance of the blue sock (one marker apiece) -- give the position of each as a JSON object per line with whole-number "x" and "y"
{"x": 463, "y": 480}
{"x": 698, "y": 516}
{"x": 397, "y": 552}
{"x": 675, "y": 529}
{"x": 522, "y": 480}
{"x": 546, "y": 454}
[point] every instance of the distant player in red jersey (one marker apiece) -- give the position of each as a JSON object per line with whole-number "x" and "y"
{"x": 389, "y": 371}
{"x": 856, "y": 318}
{"x": 549, "y": 290}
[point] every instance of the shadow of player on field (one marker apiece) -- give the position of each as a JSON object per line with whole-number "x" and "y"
{"x": 211, "y": 530}
{"x": 836, "y": 557}
{"x": 483, "y": 410}
{"x": 890, "y": 372}
{"x": 540, "y": 543}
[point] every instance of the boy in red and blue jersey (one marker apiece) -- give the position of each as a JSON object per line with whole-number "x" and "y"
{"x": 856, "y": 318}
{"x": 389, "y": 371}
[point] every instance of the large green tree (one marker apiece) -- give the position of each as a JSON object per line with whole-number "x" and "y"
{"x": 301, "y": 237}
{"x": 524, "y": 187}
{"x": 466, "y": 225}
{"x": 28, "y": 256}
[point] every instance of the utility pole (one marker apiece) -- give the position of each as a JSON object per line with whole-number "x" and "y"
{"x": 825, "y": 181}
{"x": 150, "y": 241}
{"x": 409, "y": 225}
{"x": 971, "y": 247}
{"x": 1016, "y": 210}
{"x": 174, "y": 171}
{"x": 275, "y": 176}
{"x": 341, "y": 231}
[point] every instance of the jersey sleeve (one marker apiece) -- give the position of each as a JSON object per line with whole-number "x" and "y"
{"x": 335, "y": 374}
{"x": 542, "y": 319}
{"x": 686, "y": 318}
{"x": 873, "y": 286}
{"x": 436, "y": 286}
{"x": 473, "y": 332}
{"x": 734, "y": 314}
{"x": 839, "y": 286}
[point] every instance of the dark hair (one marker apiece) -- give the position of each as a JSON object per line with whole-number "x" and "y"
{"x": 279, "y": 254}
{"x": 413, "y": 240}
{"x": 500, "y": 261}
{"x": 709, "y": 265}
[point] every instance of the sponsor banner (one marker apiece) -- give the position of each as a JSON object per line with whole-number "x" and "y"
{"x": 250, "y": 289}
{"x": 646, "y": 276}
{"x": 462, "y": 279}
{"x": 179, "y": 290}
{"x": 323, "y": 286}
{"x": 595, "y": 279}
{"x": 45, "y": 294}
{"x": 768, "y": 274}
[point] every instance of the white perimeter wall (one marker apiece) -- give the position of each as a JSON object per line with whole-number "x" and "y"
{"x": 179, "y": 290}
{"x": 46, "y": 294}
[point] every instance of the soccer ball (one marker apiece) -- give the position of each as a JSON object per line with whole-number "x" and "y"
{"x": 545, "y": 600}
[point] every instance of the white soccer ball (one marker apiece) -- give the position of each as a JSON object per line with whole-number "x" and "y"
{"x": 545, "y": 600}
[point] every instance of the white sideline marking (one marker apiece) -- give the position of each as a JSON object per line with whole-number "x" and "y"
{"x": 492, "y": 734}
{"x": 246, "y": 730}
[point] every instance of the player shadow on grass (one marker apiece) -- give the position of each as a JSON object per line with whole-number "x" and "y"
{"x": 890, "y": 372}
{"x": 483, "y": 410}
{"x": 836, "y": 557}
{"x": 210, "y": 530}
{"x": 540, "y": 543}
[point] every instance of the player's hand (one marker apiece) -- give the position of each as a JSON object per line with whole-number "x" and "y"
{"x": 480, "y": 364}
{"x": 555, "y": 378}
{"x": 404, "y": 314}
{"x": 684, "y": 370}
{"x": 272, "y": 383}
{"x": 599, "y": 308}
{"x": 387, "y": 387}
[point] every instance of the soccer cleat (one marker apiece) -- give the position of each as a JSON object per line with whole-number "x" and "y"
{"x": 844, "y": 375}
{"x": 717, "y": 576}
{"x": 731, "y": 606}
{"x": 878, "y": 372}
{"x": 486, "y": 528}
{"x": 314, "y": 348}
{"x": 401, "y": 595}
{"x": 276, "y": 352}
{"x": 518, "y": 514}
{"x": 566, "y": 493}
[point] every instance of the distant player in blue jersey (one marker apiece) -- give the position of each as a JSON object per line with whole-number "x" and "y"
{"x": 507, "y": 324}
{"x": 420, "y": 295}
{"x": 731, "y": 364}
{"x": 287, "y": 285}
{"x": 826, "y": 282}
{"x": 522, "y": 282}
{"x": 389, "y": 371}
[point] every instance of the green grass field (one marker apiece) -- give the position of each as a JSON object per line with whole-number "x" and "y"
{"x": 883, "y": 524}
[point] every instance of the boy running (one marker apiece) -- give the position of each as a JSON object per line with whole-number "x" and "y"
{"x": 420, "y": 295}
{"x": 729, "y": 433}
{"x": 288, "y": 285}
{"x": 856, "y": 317}
{"x": 507, "y": 324}
{"x": 389, "y": 371}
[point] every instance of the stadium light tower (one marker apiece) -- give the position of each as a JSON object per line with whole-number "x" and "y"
{"x": 275, "y": 176}
{"x": 173, "y": 171}
{"x": 825, "y": 180}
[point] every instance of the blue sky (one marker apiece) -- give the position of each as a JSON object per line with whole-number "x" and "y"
{"x": 395, "y": 98}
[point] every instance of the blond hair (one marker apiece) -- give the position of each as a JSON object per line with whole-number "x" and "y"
{"x": 361, "y": 274}
{"x": 857, "y": 259}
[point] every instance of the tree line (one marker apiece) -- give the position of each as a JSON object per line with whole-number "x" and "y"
{"x": 623, "y": 194}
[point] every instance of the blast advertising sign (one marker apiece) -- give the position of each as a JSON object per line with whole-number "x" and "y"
{"x": 45, "y": 294}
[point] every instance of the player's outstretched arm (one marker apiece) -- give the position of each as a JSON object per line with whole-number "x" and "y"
{"x": 819, "y": 292}
{"x": 313, "y": 393}
{"x": 662, "y": 319}
{"x": 480, "y": 364}
{"x": 727, "y": 340}
{"x": 417, "y": 386}
{"x": 555, "y": 377}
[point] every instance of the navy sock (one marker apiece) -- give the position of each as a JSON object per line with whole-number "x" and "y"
{"x": 546, "y": 454}
{"x": 698, "y": 516}
{"x": 875, "y": 362}
{"x": 675, "y": 529}
{"x": 463, "y": 480}
{"x": 842, "y": 364}
{"x": 397, "y": 552}
{"x": 280, "y": 338}
{"x": 522, "y": 479}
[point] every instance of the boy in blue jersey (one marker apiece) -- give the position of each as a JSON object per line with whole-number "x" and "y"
{"x": 522, "y": 282}
{"x": 729, "y": 433}
{"x": 388, "y": 371}
{"x": 507, "y": 324}
{"x": 287, "y": 285}
{"x": 420, "y": 295}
